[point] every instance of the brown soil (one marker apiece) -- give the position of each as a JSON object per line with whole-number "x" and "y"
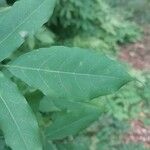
{"x": 138, "y": 54}
{"x": 139, "y": 133}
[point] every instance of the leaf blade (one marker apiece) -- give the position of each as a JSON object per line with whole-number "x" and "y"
{"x": 17, "y": 120}
{"x": 28, "y": 21}
{"x": 66, "y": 73}
{"x": 73, "y": 117}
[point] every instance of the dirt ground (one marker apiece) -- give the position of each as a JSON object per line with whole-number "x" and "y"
{"x": 138, "y": 54}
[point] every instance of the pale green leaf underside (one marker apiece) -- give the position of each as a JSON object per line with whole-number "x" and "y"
{"x": 69, "y": 73}
{"x": 74, "y": 117}
{"x": 17, "y": 121}
{"x": 25, "y": 17}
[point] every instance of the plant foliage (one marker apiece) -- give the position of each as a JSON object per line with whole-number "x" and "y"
{"x": 46, "y": 94}
{"x": 92, "y": 19}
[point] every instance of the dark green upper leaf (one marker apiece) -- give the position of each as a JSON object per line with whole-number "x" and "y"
{"x": 17, "y": 121}
{"x": 24, "y": 18}
{"x": 70, "y": 73}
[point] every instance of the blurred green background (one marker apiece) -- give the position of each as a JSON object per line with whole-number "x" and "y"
{"x": 121, "y": 29}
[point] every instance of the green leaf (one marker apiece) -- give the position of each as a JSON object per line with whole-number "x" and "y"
{"x": 47, "y": 105}
{"x": 49, "y": 146}
{"x": 17, "y": 121}
{"x": 2, "y": 3}
{"x": 74, "y": 117}
{"x": 70, "y": 73}
{"x": 25, "y": 17}
{"x": 2, "y": 143}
